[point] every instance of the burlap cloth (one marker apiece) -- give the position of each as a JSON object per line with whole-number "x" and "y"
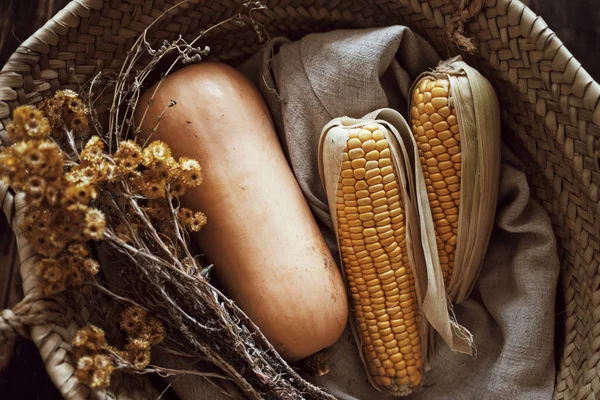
{"x": 511, "y": 310}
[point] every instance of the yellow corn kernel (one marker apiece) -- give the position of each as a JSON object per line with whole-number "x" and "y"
{"x": 384, "y": 298}
{"x": 439, "y": 150}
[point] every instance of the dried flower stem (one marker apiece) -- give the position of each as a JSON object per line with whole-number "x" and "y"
{"x": 160, "y": 274}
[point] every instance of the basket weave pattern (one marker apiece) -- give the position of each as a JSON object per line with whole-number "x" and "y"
{"x": 549, "y": 103}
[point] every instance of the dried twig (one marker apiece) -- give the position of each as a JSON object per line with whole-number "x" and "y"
{"x": 165, "y": 279}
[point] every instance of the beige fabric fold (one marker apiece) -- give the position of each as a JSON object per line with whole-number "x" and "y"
{"x": 511, "y": 310}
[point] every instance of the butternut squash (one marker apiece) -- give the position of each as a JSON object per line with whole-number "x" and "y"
{"x": 268, "y": 252}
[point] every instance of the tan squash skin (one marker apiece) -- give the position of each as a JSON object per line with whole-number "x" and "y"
{"x": 268, "y": 253}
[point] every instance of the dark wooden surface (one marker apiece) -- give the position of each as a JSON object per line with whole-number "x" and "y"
{"x": 575, "y": 22}
{"x": 26, "y": 378}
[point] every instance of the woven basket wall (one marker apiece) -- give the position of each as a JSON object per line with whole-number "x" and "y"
{"x": 550, "y": 113}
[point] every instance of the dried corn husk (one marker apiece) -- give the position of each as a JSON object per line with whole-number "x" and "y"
{"x": 478, "y": 117}
{"x": 429, "y": 286}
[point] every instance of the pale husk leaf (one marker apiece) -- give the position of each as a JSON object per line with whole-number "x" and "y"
{"x": 484, "y": 187}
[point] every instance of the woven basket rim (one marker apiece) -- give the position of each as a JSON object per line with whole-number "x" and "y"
{"x": 48, "y": 35}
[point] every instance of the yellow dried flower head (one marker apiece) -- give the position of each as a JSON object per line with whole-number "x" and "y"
{"x": 20, "y": 148}
{"x": 197, "y": 222}
{"x": 126, "y": 165}
{"x": 39, "y": 219}
{"x": 91, "y": 266}
{"x": 54, "y": 194}
{"x": 131, "y": 327}
{"x": 34, "y": 197}
{"x": 190, "y": 172}
{"x": 185, "y": 215}
{"x": 52, "y": 276}
{"x": 177, "y": 188}
{"x": 45, "y": 244}
{"x": 155, "y": 151}
{"x": 72, "y": 220}
{"x": 35, "y": 190}
{"x": 75, "y": 276}
{"x": 85, "y": 175}
{"x": 135, "y": 313}
{"x": 37, "y": 128}
{"x": 89, "y": 338}
{"x": 102, "y": 361}
{"x": 66, "y": 94}
{"x": 96, "y": 337}
{"x": 68, "y": 224}
{"x": 140, "y": 358}
{"x": 85, "y": 373}
{"x": 66, "y": 111}
{"x": 34, "y": 160}
{"x": 95, "y": 371}
{"x": 82, "y": 194}
{"x": 154, "y": 332}
{"x": 85, "y": 363}
{"x": 53, "y": 158}
{"x": 128, "y": 148}
{"x": 128, "y": 157}
{"x": 101, "y": 379}
{"x": 57, "y": 239}
{"x": 95, "y": 224}
{"x": 154, "y": 190}
{"x": 14, "y": 164}
{"x": 9, "y": 168}
{"x": 79, "y": 122}
{"x": 28, "y": 123}
{"x": 50, "y": 270}
{"x": 80, "y": 338}
{"x": 69, "y": 260}
{"x": 80, "y": 250}
{"x": 85, "y": 369}
{"x": 72, "y": 101}
{"x": 79, "y": 268}
{"x": 24, "y": 159}
{"x": 91, "y": 175}
{"x": 93, "y": 150}
{"x": 108, "y": 171}
{"x": 133, "y": 320}
{"x": 162, "y": 170}
{"x": 35, "y": 183}
{"x": 51, "y": 288}
{"x": 51, "y": 109}
{"x": 13, "y": 134}
{"x": 136, "y": 344}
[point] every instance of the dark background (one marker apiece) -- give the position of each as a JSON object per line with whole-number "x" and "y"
{"x": 577, "y": 24}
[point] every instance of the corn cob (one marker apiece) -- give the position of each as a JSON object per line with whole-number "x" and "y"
{"x": 437, "y": 134}
{"x": 372, "y": 237}
{"x": 376, "y": 192}
{"x": 456, "y": 124}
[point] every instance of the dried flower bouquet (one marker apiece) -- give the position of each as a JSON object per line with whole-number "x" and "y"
{"x": 93, "y": 188}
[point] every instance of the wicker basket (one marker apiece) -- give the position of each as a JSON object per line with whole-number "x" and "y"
{"x": 550, "y": 113}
